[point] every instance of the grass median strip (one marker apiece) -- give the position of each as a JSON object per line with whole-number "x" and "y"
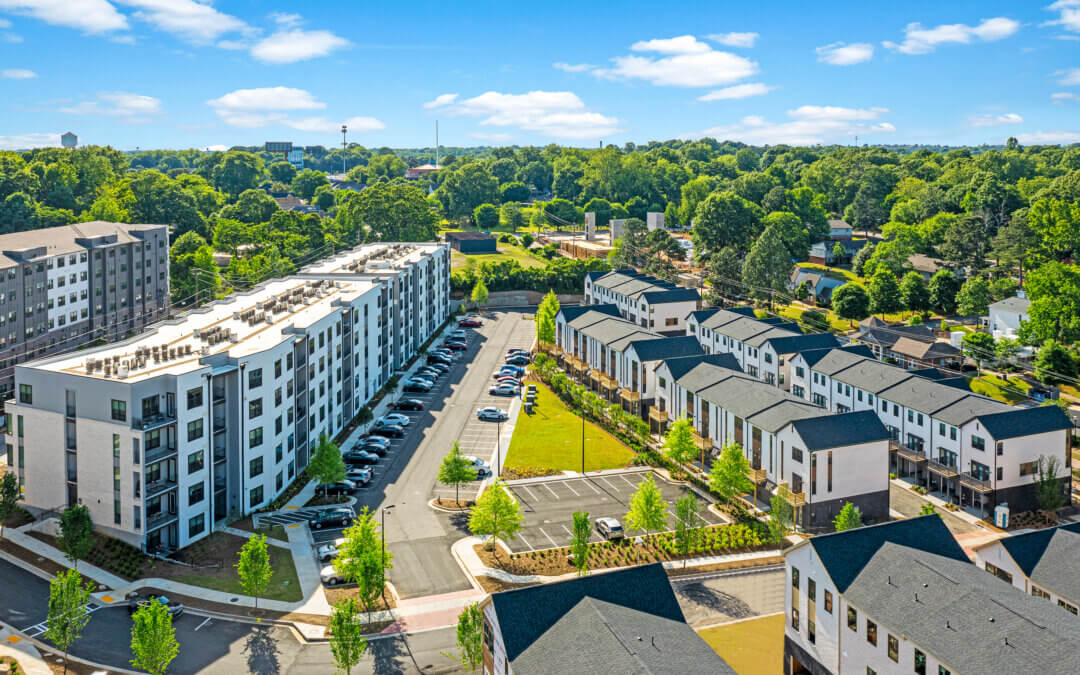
{"x": 550, "y": 438}
{"x": 284, "y": 585}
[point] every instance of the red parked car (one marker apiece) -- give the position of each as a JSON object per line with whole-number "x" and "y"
{"x": 469, "y": 323}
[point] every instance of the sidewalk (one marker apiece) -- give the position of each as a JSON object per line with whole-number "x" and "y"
{"x": 940, "y": 504}
{"x": 22, "y": 650}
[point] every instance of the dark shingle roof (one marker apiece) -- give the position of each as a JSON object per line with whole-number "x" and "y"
{"x": 681, "y": 366}
{"x": 840, "y": 358}
{"x": 674, "y": 295}
{"x": 571, "y": 312}
{"x": 887, "y": 335}
{"x": 701, "y": 314}
{"x": 920, "y": 349}
{"x": 838, "y": 431}
{"x": 666, "y": 348}
{"x": 1013, "y": 304}
{"x": 468, "y": 236}
{"x": 1050, "y": 558}
{"x": 1025, "y": 421}
{"x": 745, "y": 310}
{"x": 813, "y": 356}
{"x": 792, "y": 344}
{"x": 627, "y": 621}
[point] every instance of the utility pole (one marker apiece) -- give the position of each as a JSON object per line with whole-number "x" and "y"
{"x": 582, "y": 441}
{"x": 436, "y": 144}
{"x": 343, "y": 130}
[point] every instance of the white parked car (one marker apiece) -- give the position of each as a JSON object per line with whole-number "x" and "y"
{"x": 482, "y": 468}
{"x": 492, "y": 414}
{"x": 330, "y": 577}
{"x": 393, "y": 418}
{"x": 327, "y": 552}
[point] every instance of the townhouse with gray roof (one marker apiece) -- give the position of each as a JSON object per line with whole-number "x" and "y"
{"x": 1042, "y": 563}
{"x": 902, "y": 597}
{"x": 643, "y": 299}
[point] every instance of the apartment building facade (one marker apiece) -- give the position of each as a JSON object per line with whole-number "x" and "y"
{"x": 645, "y": 300}
{"x": 210, "y": 416}
{"x": 1041, "y": 563}
{"x": 62, "y": 287}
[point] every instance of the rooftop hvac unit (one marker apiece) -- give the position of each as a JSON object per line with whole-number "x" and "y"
{"x": 204, "y": 350}
{"x": 122, "y": 371}
{"x": 89, "y": 365}
{"x": 187, "y": 349}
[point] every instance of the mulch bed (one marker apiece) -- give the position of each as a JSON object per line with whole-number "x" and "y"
{"x": 337, "y": 594}
{"x": 452, "y": 504}
{"x": 496, "y": 586}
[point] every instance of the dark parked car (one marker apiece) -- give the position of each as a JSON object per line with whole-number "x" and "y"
{"x": 469, "y": 323}
{"x": 389, "y": 430}
{"x": 455, "y": 345}
{"x": 439, "y": 366}
{"x": 135, "y": 601}
{"x": 409, "y": 404}
{"x": 373, "y": 448}
{"x": 330, "y": 518}
{"x": 345, "y": 487}
{"x": 415, "y": 388}
{"x": 518, "y": 360}
{"x": 514, "y": 352}
{"x": 360, "y": 457}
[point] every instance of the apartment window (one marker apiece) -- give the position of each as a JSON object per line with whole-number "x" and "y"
{"x": 942, "y": 670}
{"x": 839, "y": 388}
{"x": 288, "y": 362}
{"x": 196, "y": 525}
{"x": 910, "y": 415}
{"x": 255, "y": 408}
{"x": 255, "y": 497}
{"x": 277, "y": 453}
{"x": 828, "y": 601}
{"x": 795, "y": 598}
{"x": 920, "y": 662}
{"x": 255, "y": 378}
{"x": 952, "y": 433}
{"x": 1067, "y": 607}
{"x": 153, "y": 439}
{"x": 255, "y": 438}
{"x": 811, "y": 614}
{"x": 852, "y": 619}
{"x": 894, "y": 648}
{"x": 277, "y": 425}
{"x": 195, "y": 462}
{"x": 1000, "y": 473}
{"x": 279, "y": 481}
{"x": 999, "y": 573}
{"x": 255, "y": 467}
{"x": 813, "y": 474}
{"x": 870, "y": 671}
{"x": 671, "y": 322}
{"x": 871, "y": 632}
{"x": 978, "y": 442}
{"x": 1000, "y": 448}
{"x": 1037, "y": 592}
{"x": 194, "y": 430}
{"x": 796, "y": 454}
{"x": 277, "y": 368}
{"x": 194, "y": 398}
{"x": 196, "y": 493}
{"x": 26, "y": 394}
{"x": 277, "y": 396}
{"x": 119, "y": 410}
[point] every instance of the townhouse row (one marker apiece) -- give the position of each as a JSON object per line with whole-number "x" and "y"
{"x": 209, "y": 416}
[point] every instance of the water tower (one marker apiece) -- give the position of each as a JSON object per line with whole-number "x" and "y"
{"x": 69, "y": 140}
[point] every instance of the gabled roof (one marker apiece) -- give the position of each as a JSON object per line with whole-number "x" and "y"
{"x": 923, "y": 395}
{"x": 839, "y": 225}
{"x": 1014, "y": 304}
{"x": 870, "y": 375}
{"x": 572, "y": 312}
{"x": 627, "y": 621}
{"x": 792, "y": 344}
{"x": 888, "y": 335}
{"x": 918, "y": 349}
{"x": 673, "y": 295}
{"x": 630, "y": 283}
{"x": 593, "y": 276}
{"x": 704, "y": 375}
{"x": 771, "y": 332}
{"x": 967, "y": 408}
{"x": 464, "y": 236}
{"x": 813, "y": 356}
{"x": 657, "y": 349}
{"x": 776, "y": 417}
{"x": 839, "y": 359}
{"x": 722, "y": 318}
{"x": 745, "y": 310}
{"x": 701, "y": 315}
{"x": 1025, "y": 422}
{"x": 1050, "y": 558}
{"x": 681, "y": 366}
{"x": 837, "y": 431}
{"x": 614, "y": 332}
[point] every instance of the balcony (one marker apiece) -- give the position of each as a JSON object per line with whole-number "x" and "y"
{"x": 219, "y": 396}
{"x": 795, "y": 498}
{"x": 159, "y": 453}
{"x": 628, "y": 395}
{"x": 911, "y": 454}
{"x": 219, "y": 424}
{"x": 158, "y": 487}
{"x": 159, "y": 520}
{"x": 967, "y": 479}
{"x": 943, "y": 470}
{"x": 758, "y": 476}
{"x": 655, "y": 413}
{"x": 152, "y": 421}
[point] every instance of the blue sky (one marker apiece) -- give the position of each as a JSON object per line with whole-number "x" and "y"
{"x": 189, "y": 73}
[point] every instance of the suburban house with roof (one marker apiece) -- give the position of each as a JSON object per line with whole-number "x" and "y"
{"x": 821, "y": 253}
{"x": 902, "y": 597}
{"x": 627, "y": 621}
{"x": 910, "y": 346}
{"x": 839, "y": 229}
{"x": 928, "y": 266}
{"x": 472, "y": 242}
{"x": 646, "y": 300}
{"x": 820, "y": 284}
{"x": 1041, "y": 563}
{"x": 1007, "y": 315}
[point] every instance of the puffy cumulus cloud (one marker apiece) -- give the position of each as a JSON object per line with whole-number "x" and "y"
{"x": 189, "y": 20}
{"x": 357, "y": 125}
{"x": 290, "y": 46}
{"x": 1069, "y": 76}
{"x": 217, "y": 148}
{"x": 573, "y": 67}
{"x": 118, "y": 103}
{"x": 89, "y": 16}
{"x": 996, "y": 120}
{"x": 270, "y": 106}
{"x": 734, "y": 39}
{"x": 440, "y": 101}
{"x": 267, "y": 98}
{"x": 809, "y": 125}
{"x": 286, "y": 19}
{"x": 1068, "y": 15}
{"x": 919, "y": 40}
{"x": 1056, "y": 137}
{"x": 1063, "y": 96}
{"x": 27, "y": 141}
{"x": 682, "y": 62}
{"x": 737, "y": 91}
{"x": 841, "y": 54}
{"x": 555, "y": 114}
{"x": 18, "y": 74}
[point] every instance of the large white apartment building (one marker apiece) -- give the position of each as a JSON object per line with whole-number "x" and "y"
{"x": 211, "y": 415}
{"x": 902, "y": 597}
{"x": 645, "y": 300}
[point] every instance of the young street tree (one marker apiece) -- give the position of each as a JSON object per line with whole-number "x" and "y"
{"x": 851, "y": 302}
{"x": 687, "y": 522}
{"x": 545, "y": 318}
{"x": 729, "y": 476}
{"x": 479, "y": 293}
{"x": 9, "y": 497}
{"x": 848, "y": 519}
{"x": 76, "y": 530}
{"x": 579, "y": 542}
{"x": 326, "y": 465}
{"x": 347, "y": 641}
{"x": 1048, "y": 489}
{"x": 253, "y": 567}
{"x": 496, "y": 515}
{"x": 781, "y": 514}
{"x": 363, "y": 559}
{"x": 679, "y": 442}
{"x": 470, "y": 638}
{"x": 457, "y": 471}
{"x": 648, "y": 510}
{"x": 153, "y": 638}
{"x": 67, "y": 611}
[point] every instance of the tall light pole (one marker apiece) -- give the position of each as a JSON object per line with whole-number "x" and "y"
{"x": 382, "y": 541}
{"x": 498, "y": 448}
{"x": 583, "y": 441}
{"x": 343, "y": 130}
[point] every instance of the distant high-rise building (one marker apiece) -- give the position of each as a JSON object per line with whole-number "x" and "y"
{"x": 69, "y": 140}
{"x": 296, "y": 158}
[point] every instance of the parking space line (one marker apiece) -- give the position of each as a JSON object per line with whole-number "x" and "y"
{"x": 591, "y": 486}
{"x": 608, "y": 484}
{"x": 566, "y": 484}
{"x": 568, "y": 532}
{"x": 553, "y": 494}
{"x": 522, "y": 538}
{"x": 633, "y": 486}
{"x": 526, "y": 489}
{"x": 548, "y": 537}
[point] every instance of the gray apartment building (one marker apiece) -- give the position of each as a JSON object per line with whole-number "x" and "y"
{"x": 62, "y": 287}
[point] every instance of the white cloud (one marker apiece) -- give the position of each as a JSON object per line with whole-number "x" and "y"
{"x": 267, "y": 98}
{"x": 573, "y": 67}
{"x": 441, "y": 100}
{"x": 267, "y": 106}
{"x": 919, "y": 40}
{"x": 18, "y": 74}
{"x": 558, "y": 114}
{"x": 1068, "y": 15}
{"x": 1062, "y": 96}
{"x": 1056, "y": 137}
{"x": 734, "y": 39}
{"x": 286, "y": 20}
{"x": 119, "y": 103}
{"x": 26, "y": 141}
{"x": 189, "y": 20}
{"x": 996, "y": 120}
{"x": 89, "y": 16}
{"x": 738, "y": 91}
{"x": 809, "y": 125}
{"x": 1069, "y": 76}
{"x": 217, "y": 148}
{"x": 357, "y": 125}
{"x": 841, "y": 54}
{"x": 290, "y": 46}
{"x": 687, "y": 63}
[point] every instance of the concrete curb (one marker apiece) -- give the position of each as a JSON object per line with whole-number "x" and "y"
{"x": 44, "y": 648}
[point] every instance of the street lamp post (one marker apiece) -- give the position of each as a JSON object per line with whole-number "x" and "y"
{"x": 582, "y": 441}
{"x": 382, "y": 543}
{"x": 498, "y": 449}
{"x": 343, "y": 130}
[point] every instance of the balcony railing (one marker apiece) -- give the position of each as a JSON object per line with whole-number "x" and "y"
{"x": 159, "y": 486}
{"x": 159, "y": 453}
{"x": 795, "y": 498}
{"x": 975, "y": 483}
{"x": 219, "y": 424}
{"x": 152, "y": 421}
{"x": 943, "y": 470}
{"x": 911, "y": 454}
{"x": 758, "y": 476}
{"x": 159, "y": 519}
{"x": 657, "y": 414}
{"x": 631, "y": 395}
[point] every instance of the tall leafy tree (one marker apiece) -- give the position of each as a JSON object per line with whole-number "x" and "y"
{"x": 974, "y": 297}
{"x": 851, "y": 302}
{"x": 347, "y": 641}
{"x": 153, "y": 638}
{"x": 793, "y": 233}
{"x": 326, "y": 465}
{"x": 237, "y": 171}
{"x": 648, "y": 510}
{"x": 76, "y": 533}
{"x": 724, "y": 219}
{"x": 466, "y": 188}
{"x": 943, "y": 288}
{"x": 884, "y": 293}
{"x": 306, "y": 182}
{"x": 282, "y": 172}
{"x": 1053, "y": 363}
{"x": 390, "y": 212}
{"x": 486, "y": 216}
{"x": 479, "y": 293}
{"x": 849, "y": 518}
{"x": 768, "y": 266}
{"x": 253, "y": 567}
{"x": 496, "y": 515}
{"x": 545, "y": 318}
{"x": 252, "y": 207}
{"x": 456, "y": 470}
{"x": 914, "y": 294}
{"x": 729, "y": 475}
{"x": 579, "y": 541}
{"x": 363, "y": 559}
{"x": 1054, "y": 292}
{"x": 679, "y": 442}
{"x": 723, "y": 272}
{"x": 67, "y": 615}
{"x": 9, "y": 497}
{"x": 979, "y": 347}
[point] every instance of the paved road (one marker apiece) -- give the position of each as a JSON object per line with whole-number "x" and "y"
{"x": 909, "y": 503}
{"x": 726, "y": 596}
{"x": 417, "y": 653}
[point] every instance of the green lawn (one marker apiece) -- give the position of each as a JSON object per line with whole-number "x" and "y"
{"x": 506, "y": 252}
{"x": 793, "y": 313}
{"x": 751, "y": 647}
{"x": 284, "y": 585}
{"x": 834, "y": 272}
{"x": 999, "y": 389}
{"x": 551, "y": 438}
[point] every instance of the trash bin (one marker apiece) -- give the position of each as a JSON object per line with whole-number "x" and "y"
{"x": 1001, "y": 516}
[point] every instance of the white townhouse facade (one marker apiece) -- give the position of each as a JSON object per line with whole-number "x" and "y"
{"x": 1007, "y": 315}
{"x": 206, "y": 416}
{"x": 645, "y": 300}
{"x": 975, "y": 451}
{"x": 1041, "y": 563}
{"x": 902, "y": 597}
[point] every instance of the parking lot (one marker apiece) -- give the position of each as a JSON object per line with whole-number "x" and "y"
{"x": 549, "y": 505}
